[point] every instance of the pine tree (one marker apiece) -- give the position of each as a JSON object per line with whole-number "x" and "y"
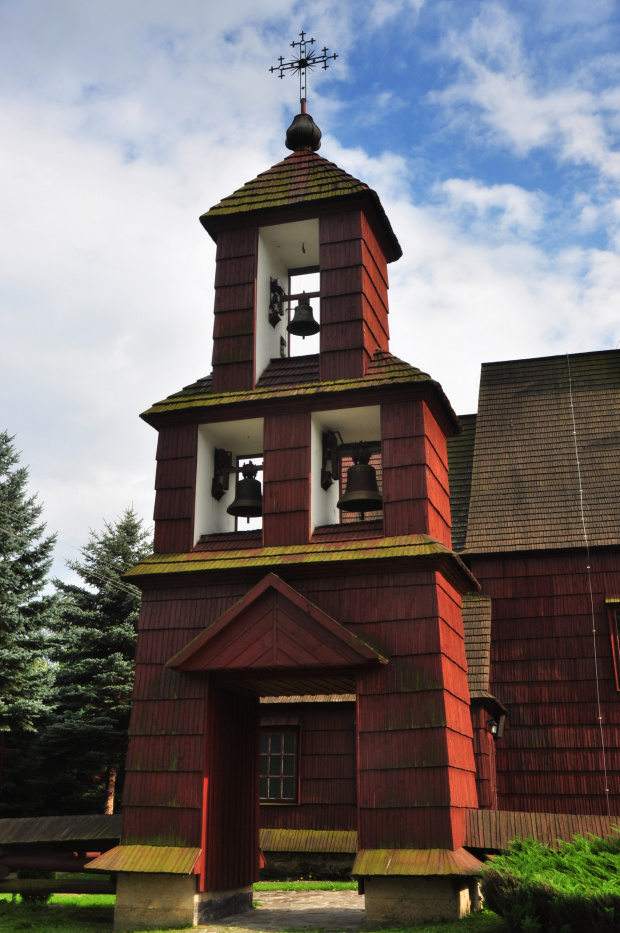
{"x": 93, "y": 646}
{"x": 25, "y": 612}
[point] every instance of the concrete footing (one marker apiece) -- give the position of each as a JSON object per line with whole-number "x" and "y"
{"x": 414, "y": 899}
{"x": 156, "y": 901}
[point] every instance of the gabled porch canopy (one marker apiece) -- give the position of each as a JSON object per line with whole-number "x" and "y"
{"x": 274, "y": 640}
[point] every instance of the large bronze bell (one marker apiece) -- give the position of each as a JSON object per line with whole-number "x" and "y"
{"x": 303, "y": 323}
{"x": 362, "y": 493}
{"x": 248, "y": 501}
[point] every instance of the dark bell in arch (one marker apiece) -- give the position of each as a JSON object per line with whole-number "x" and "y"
{"x": 248, "y": 501}
{"x": 362, "y": 494}
{"x": 303, "y": 323}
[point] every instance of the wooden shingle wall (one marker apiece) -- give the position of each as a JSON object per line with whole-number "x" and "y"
{"x": 354, "y": 299}
{"x": 175, "y": 489}
{"x": 416, "y": 497}
{"x": 231, "y": 831}
{"x": 327, "y": 768}
{"x": 416, "y": 765}
{"x": 286, "y": 479}
{"x": 162, "y": 800}
{"x": 234, "y": 310}
{"x": 542, "y": 669}
{"x": 485, "y": 757}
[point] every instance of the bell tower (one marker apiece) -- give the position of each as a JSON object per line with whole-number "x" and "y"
{"x": 335, "y": 591}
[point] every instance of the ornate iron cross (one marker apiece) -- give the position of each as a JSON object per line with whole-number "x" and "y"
{"x": 306, "y": 59}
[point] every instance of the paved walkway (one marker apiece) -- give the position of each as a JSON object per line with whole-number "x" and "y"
{"x": 297, "y": 910}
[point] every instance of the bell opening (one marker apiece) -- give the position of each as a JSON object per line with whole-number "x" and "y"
{"x": 360, "y": 489}
{"x": 304, "y": 319}
{"x": 247, "y": 506}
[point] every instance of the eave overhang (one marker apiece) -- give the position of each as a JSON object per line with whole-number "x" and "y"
{"x": 173, "y": 860}
{"x": 366, "y": 201}
{"x": 416, "y": 862}
{"x": 397, "y": 552}
{"x": 314, "y": 396}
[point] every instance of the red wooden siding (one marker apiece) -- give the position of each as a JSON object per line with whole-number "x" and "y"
{"x": 234, "y": 310}
{"x": 327, "y": 796}
{"x": 413, "y": 714}
{"x": 162, "y": 802}
{"x": 230, "y": 843}
{"x": 286, "y": 480}
{"x": 416, "y": 498}
{"x": 484, "y": 754}
{"x": 416, "y": 765}
{"x": 175, "y": 489}
{"x": 549, "y": 759}
{"x": 354, "y": 300}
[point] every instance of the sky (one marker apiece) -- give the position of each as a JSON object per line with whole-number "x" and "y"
{"x": 490, "y": 131}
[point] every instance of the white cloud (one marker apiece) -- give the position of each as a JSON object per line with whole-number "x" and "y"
{"x": 505, "y": 206}
{"x": 524, "y": 107}
{"x": 121, "y": 123}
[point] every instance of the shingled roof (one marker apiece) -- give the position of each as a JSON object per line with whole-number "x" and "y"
{"x": 477, "y": 625}
{"x": 525, "y": 491}
{"x": 460, "y": 461}
{"x": 299, "y": 376}
{"x": 302, "y": 178}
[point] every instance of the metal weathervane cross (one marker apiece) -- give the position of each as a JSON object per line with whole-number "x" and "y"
{"x": 306, "y": 59}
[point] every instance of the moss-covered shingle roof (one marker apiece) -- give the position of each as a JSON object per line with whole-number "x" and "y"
{"x": 283, "y": 380}
{"x": 302, "y": 178}
{"x": 268, "y": 558}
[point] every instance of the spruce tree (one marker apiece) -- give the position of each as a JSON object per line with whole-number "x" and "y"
{"x": 25, "y": 611}
{"x": 93, "y": 646}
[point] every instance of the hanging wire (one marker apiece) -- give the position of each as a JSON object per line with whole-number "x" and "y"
{"x": 64, "y": 537}
{"x": 108, "y": 580}
{"x": 589, "y": 570}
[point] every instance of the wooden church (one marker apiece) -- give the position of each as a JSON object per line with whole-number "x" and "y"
{"x": 362, "y": 673}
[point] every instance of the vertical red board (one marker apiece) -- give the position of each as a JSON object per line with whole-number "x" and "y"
{"x": 286, "y": 480}
{"x": 235, "y": 310}
{"x": 416, "y": 498}
{"x": 354, "y": 304}
{"x": 175, "y": 489}
{"x": 550, "y": 758}
{"x": 231, "y": 815}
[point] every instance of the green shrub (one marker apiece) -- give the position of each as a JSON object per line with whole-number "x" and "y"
{"x": 33, "y": 898}
{"x": 572, "y": 889}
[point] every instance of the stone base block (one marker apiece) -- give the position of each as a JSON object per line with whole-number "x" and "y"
{"x": 153, "y": 901}
{"x": 405, "y": 900}
{"x": 213, "y": 905}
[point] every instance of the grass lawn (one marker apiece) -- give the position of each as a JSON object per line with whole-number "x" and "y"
{"x": 90, "y": 913}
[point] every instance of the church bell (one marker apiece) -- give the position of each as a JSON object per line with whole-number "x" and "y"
{"x": 362, "y": 493}
{"x": 303, "y": 323}
{"x": 248, "y": 501}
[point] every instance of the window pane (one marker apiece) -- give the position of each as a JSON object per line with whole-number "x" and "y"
{"x": 275, "y": 766}
{"x": 289, "y": 742}
{"x": 264, "y": 764}
{"x": 288, "y": 765}
{"x": 264, "y": 743}
{"x": 276, "y": 743}
{"x": 288, "y": 788}
{"x": 274, "y": 788}
{"x": 263, "y": 788}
